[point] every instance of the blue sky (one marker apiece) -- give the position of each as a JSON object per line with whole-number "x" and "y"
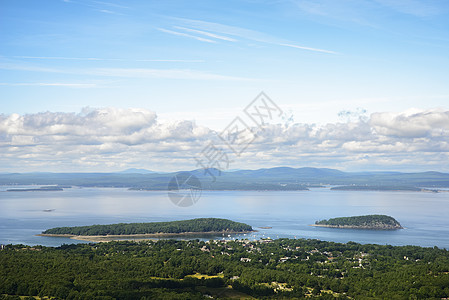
{"x": 202, "y": 62}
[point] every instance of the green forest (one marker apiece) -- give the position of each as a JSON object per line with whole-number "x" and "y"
{"x": 369, "y": 220}
{"x": 194, "y": 225}
{"x": 171, "y": 269}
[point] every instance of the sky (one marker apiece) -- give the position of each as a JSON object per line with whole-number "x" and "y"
{"x": 102, "y": 86}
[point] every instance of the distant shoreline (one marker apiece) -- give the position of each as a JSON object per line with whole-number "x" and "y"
{"x": 357, "y": 227}
{"x": 108, "y": 238}
{"x": 36, "y": 190}
{"x": 269, "y": 189}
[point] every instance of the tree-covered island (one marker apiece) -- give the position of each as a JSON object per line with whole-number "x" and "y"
{"x": 377, "y": 222}
{"x": 194, "y": 226}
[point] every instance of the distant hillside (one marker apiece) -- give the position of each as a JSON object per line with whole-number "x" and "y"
{"x": 136, "y": 171}
{"x": 286, "y": 171}
{"x": 280, "y": 178}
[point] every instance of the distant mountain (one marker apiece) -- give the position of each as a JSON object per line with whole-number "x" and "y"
{"x": 136, "y": 171}
{"x": 288, "y": 172}
{"x": 279, "y": 178}
{"x": 207, "y": 172}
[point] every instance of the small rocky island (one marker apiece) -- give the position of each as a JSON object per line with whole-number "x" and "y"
{"x": 376, "y": 222}
{"x": 206, "y": 226}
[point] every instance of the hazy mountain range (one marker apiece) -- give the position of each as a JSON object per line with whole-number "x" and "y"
{"x": 279, "y": 178}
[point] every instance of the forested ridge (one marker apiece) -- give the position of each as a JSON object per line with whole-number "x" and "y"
{"x": 375, "y": 221}
{"x": 170, "y": 269}
{"x": 194, "y": 225}
{"x": 278, "y": 178}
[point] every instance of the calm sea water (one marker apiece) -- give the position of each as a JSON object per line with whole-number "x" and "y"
{"x": 424, "y": 215}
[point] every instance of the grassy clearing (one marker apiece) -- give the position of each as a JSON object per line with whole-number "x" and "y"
{"x": 199, "y": 276}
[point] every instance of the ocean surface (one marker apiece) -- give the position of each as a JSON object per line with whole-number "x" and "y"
{"x": 425, "y": 216}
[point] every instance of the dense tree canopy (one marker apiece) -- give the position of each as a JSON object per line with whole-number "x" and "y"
{"x": 195, "y": 225}
{"x": 374, "y": 221}
{"x": 170, "y": 269}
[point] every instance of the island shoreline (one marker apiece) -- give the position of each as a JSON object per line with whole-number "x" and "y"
{"x": 108, "y": 238}
{"x": 356, "y": 227}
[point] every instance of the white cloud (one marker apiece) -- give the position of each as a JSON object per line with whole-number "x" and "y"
{"x": 212, "y": 35}
{"x": 248, "y": 34}
{"x": 108, "y": 139}
{"x": 107, "y": 11}
{"x": 100, "y": 6}
{"x": 187, "y": 74}
{"x": 186, "y": 35}
{"x": 412, "y": 123}
{"x": 308, "y": 48}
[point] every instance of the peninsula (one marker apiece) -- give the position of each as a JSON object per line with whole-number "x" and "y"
{"x": 391, "y": 188}
{"x": 376, "y": 222}
{"x": 203, "y": 226}
{"x": 39, "y": 189}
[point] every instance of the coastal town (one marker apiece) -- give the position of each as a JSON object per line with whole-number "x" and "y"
{"x": 285, "y": 268}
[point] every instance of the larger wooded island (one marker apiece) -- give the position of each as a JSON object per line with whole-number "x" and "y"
{"x": 378, "y": 222}
{"x": 153, "y": 229}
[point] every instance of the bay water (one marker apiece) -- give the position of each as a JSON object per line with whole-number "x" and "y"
{"x": 425, "y": 216}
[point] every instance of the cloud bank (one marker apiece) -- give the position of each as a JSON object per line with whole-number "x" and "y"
{"x": 111, "y": 139}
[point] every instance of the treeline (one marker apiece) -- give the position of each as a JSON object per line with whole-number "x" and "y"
{"x": 40, "y": 189}
{"x": 368, "y": 220}
{"x": 168, "y": 269}
{"x": 244, "y": 185}
{"x": 195, "y": 225}
{"x": 376, "y": 188}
